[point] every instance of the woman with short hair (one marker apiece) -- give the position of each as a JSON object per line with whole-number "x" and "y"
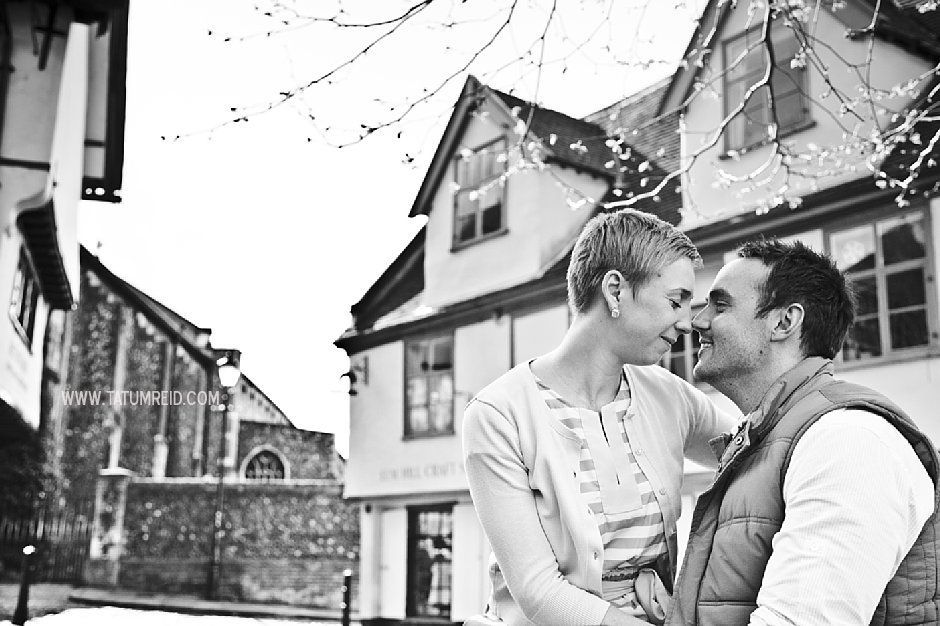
{"x": 575, "y": 458}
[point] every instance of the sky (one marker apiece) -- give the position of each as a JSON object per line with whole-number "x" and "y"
{"x": 264, "y": 230}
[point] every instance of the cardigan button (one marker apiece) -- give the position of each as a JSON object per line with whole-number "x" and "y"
{"x": 738, "y": 440}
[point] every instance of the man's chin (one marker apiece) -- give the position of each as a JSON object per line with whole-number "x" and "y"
{"x": 701, "y": 374}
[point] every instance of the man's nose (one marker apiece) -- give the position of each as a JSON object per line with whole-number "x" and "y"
{"x": 684, "y": 324}
{"x": 700, "y": 321}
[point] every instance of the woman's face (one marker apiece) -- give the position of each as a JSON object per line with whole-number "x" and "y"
{"x": 661, "y": 311}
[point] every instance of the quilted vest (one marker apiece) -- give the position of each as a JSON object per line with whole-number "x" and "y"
{"x": 736, "y": 519}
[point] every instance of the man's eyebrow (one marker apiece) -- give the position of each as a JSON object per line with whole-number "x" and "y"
{"x": 719, "y": 294}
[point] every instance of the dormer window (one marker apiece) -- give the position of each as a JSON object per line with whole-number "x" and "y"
{"x": 745, "y": 60}
{"x": 479, "y": 201}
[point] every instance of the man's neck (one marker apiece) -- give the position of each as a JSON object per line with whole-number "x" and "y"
{"x": 747, "y": 391}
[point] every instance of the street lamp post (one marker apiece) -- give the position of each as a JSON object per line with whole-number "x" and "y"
{"x": 228, "y": 370}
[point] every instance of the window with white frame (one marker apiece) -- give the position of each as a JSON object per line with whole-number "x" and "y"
{"x": 479, "y": 208}
{"x": 887, "y": 262}
{"x": 24, "y": 299}
{"x": 429, "y": 386}
{"x": 745, "y": 60}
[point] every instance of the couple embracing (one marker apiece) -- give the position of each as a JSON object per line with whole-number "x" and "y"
{"x": 823, "y": 506}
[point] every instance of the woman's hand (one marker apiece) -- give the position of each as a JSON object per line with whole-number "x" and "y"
{"x": 616, "y": 617}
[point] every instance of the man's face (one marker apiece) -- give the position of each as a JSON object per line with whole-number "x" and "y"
{"x": 734, "y": 341}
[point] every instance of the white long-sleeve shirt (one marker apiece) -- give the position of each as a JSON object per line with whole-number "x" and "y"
{"x": 856, "y": 499}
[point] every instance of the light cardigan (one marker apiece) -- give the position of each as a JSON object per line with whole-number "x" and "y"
{"x": 547, "y": 546}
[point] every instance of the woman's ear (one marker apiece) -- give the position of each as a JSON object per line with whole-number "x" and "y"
{"x": 789, "y": 323}
{"x": 612, "y": 287}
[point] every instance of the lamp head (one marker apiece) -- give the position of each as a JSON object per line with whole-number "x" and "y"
{"x": 228, "y": 365}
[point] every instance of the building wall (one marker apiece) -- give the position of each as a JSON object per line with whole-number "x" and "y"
{"x": 890, "y": 66}
{"x": 43, "y": 121}
{"x": 283, "y": 543}
{"x": 101, "y": 318}
{"x": 309, "y": 454}
{"x": 387, "y": 474}
{"x": 540, "y": 224}
{"x": 85, "y": 426}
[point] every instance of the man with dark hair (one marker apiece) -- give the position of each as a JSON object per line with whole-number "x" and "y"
{"x": 823, "y": 507}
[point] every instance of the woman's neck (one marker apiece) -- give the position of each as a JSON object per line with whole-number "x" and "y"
{"x": 581, "y": 368}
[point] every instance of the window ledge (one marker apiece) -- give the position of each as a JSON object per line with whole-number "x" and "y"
{"x": 726, "y": 155}
{"x": 435, "y": 435}
{"x": 911, "y": 354}
{"x": 457, "y": 247}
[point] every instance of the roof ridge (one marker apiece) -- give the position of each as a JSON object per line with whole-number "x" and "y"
{"x": 660, "y": 84}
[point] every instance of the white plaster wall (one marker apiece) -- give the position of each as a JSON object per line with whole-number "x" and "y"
{"x": 68, "y": 151}
{"x": 29, "y": 119}
{"x": 20, "y": 364}
{"x": 481, "y": 355}
{"x": 891, "y": 66}
{"x": 370, "y": 542}
{"x": 44, "y": 122}
{"x": 538, "y": 332}
{"x": 912, "y": 385}
{"x": 393, "y": 563}
{"x": 470, "y": 583}
{"x": 539, "y": 221}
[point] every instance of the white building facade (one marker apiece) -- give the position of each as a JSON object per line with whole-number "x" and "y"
{"x": 61, "y": 140}
{"x": 482, "y": 287}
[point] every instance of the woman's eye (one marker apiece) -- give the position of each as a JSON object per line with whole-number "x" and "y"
{"x": 675, "y": 305}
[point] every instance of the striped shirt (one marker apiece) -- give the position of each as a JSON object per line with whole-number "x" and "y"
{"x": 616, "y": 491}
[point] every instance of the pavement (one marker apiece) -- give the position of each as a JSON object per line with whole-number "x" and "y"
{"x": 43, "y": 598}
{"x": 50, "y": 598}
{"x": 196, "y": 606}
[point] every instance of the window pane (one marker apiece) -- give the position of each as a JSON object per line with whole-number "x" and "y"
{"x": 417, "y": 391}
{"x": 677, "y": 358}
{"x": 442, "y": 417}
{"x": 445, "y": 387}
{"x": 790, "y": 110}
{"x": 492, "y": 218}
{"x": 902, "y": 238}
{"x": 908, "y": 329}
{"x": 863, "y": 341}
{"x": 443, "y": 357}
{"x": 906, "y": 289}
{"x": 487, "y": 162}
{"x": 785, "y": 43}
{"x": 866, "y": 295}
{"x": 466, "y": 227}
{"x": 854, "y": 249}
{"x": 416, "y": 358}
{"x": 418, "y": 419}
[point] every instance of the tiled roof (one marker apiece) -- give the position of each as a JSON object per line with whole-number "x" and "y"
{"x": 635, "y": 117}
{"x": 577, "y": 142}
{"x": 911, "y": 23}
{"x": 898, "y": 164}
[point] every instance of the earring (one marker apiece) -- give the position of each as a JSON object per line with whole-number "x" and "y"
{"x": 615, "y": 312}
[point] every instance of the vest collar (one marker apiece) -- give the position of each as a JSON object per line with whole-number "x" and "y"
{"x": 783, "y": 391}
